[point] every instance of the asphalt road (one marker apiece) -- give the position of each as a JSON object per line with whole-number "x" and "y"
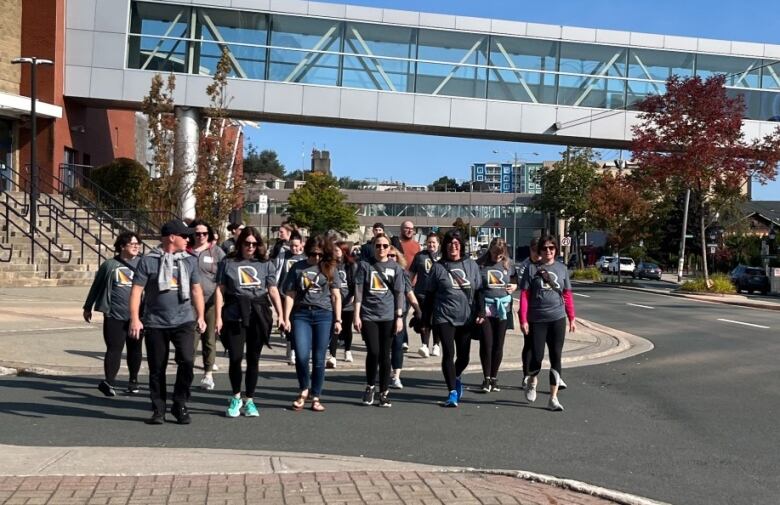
{"x": 692, "y": 422}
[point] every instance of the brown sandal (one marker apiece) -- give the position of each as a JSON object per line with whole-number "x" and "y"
{"x": 300, "y": 402}
{"x": 316, "y": 406}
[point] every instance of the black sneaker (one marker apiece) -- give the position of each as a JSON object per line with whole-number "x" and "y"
{"x": 384, "y": 401}
{"x": 132, "y": 388}
{"x": 181, "y": 414}
{"x": 368, "y": 396}
{"x": 486, "y": 385}
{"x": 494, "y": 384}
{"x": 106, "y": 388}
{"x": 157, "y": 418}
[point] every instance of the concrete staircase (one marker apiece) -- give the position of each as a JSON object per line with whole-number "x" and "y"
{"x": 60, "y": 231}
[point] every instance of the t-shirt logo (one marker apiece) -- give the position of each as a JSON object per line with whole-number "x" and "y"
{"x": 459, "y": 279}
{"x": 123, "y": 277}
{"x": 290, "y": 264}
{"x": 175, "y": 278}
{"x": 377, "y": 284}
{"x": 428, "y": 265}
{"x": 310, "y": 282}
{"x": 247, "y": 277}
{"x": 495, "y": 279}
{"x": 553, "y": 279}
{"x": 343, "y": 277}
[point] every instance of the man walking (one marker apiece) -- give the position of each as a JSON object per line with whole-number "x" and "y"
{"x": 169, "y": 279}
{"x": 409, "y": 245}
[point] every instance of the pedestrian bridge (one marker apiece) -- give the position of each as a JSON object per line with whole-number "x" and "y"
{"x": 342, "y": 65}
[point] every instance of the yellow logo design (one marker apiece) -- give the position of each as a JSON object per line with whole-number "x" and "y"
{"x": 247, "y": 276}
{"x": 124, "y": 276}
{"x": 495, "y": 279}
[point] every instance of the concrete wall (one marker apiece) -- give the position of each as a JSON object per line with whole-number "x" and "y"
{"x": 10, "y": 44}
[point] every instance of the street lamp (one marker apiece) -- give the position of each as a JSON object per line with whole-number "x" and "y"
{"x": 514, "y": 199}
{"x": 33, "y": 62}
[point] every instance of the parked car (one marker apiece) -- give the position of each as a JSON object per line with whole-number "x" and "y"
{"x": 627, "y": 265}
{"x": 750, "y": 279}
{"x": 603, "y": 262}
{"x": 647, "y": 271}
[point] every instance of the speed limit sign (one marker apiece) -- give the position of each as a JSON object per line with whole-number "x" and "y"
{"x": 565, "y": 241}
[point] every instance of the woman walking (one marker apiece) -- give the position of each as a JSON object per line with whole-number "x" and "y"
{"x": 419, "y": 270}
{"x": 347, "y": 268}
{"x": 379, "y": 305}
{"x": 312, "y": 307}
{"x": 110, "y": 294}
{"x": 499, "y": 281}
{"x": 410, "y": 300}
{"x": 545, "y": 304}
{"x": 247, "y": 288}
{"x": 452, "y": 306}
{"x": 209, "y": 255}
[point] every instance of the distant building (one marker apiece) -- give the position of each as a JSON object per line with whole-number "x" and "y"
{"x": 505, "y": 177}
{"x": 320, "y": 161}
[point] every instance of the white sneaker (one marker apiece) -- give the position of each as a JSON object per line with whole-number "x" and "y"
{"x": 214, "y": 368}
{"x": 291, "y": 360}
{"x": 561, "y": 385}
{"x": 405, "y": 346}
{"x": 330, "y": 362}
{"x": 554, "y": 405}
{"x": 207, "y": 383}
{"x": 423, "y": 351}
{"x": 348, "y": 356}
{"x": 436, "y": 350}
{"x": 530, "y": 393}
{"x": 525, "y": 383}
{"x": 395, "y": 383}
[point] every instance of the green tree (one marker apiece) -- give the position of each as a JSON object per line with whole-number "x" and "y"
{"x": 264, "y": 162}
{"x": 350, "y": 183}
{"x": 444, "y": 183}
{"x": 320, "y": 206}
{"x": 566, "y": 188}
{"x": 126, "y": 179}
{"x": 167, "y": 188}
{"x": 297, "y": 175}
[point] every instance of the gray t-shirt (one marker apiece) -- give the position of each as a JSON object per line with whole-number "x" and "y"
{"x": 164, "y": 309}
{"x": 421, "y": 269}
{"x": 495, "y": 278}
{"x": 208, "y": 263}
{"x": 310, "y": 285}
{"x": 453, "y": 298}
{"x": 287, "y": 263}
{"x": 245, "y": 279}
{"x": 521, "y": 268}
{"x": 545, "y": 304}
{"x": 121, "y": 283}
{"x": 347, "y": 299}
{"x": 378, "y": 299}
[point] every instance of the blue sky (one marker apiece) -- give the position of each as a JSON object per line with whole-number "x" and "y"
{"x": 420, "y": 159}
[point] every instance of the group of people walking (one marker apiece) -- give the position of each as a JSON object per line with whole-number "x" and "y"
{"x": 189, "y": 290}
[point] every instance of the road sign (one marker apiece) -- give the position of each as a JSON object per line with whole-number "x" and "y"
{"x": 565, "y": 241}
{"x": 262, "y": 204}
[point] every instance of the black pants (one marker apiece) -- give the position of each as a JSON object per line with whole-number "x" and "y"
{"x": 158, "y": 341}
{"x": 115, "y": 336}
{"x": 378, "y": 336}
{"x": 553, "y": 334}
{"x": 528, "y": 350}
{"x": 453, "y": 338}
{"x": 252, "y": 336}
{"x": 491, "y": 348}
{"x": 345, "y": 335}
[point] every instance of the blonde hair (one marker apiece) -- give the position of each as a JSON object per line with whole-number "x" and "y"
{"x": 399, "y": 257}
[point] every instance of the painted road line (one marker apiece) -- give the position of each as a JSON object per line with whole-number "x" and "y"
{"x": 642, "y": 306}
{"x": 580, "y": 294}
{"x": 745, "y": 324}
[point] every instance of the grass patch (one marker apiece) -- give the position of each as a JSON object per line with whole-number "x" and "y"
{"x": 586, "y": 274}
{"x": 720, "y": 284}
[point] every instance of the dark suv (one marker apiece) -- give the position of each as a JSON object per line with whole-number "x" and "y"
{"x": 750, "y": 279}
{"x": 647, "y": 271}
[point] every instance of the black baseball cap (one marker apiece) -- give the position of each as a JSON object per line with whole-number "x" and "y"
{"x": 176, "y": 227}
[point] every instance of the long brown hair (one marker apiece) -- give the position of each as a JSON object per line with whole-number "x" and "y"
{"x": 261, "y": 252}
{"x": 328, "y": 262}
{"x": 487, "y": 258}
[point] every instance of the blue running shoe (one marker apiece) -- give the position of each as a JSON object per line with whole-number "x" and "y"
{"x": 452, "y": 399}
{"x": 459, "y": 387}
{"x": 250, "y": 409}
{"x": 234, "y": 409}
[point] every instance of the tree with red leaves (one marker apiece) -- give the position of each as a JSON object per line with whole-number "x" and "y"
{"x": 691, "y": 137}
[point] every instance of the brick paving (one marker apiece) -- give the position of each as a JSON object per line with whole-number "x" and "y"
{"x": 332, "y": 488}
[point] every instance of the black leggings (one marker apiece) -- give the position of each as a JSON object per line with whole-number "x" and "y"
{"x": 345, "y": 335}
{"x": 491, "y": 348}
{"x": 378, "y": 336}
{"x": 528, "y": 350}
{"x": 453, "y": 338}
{"x": 116, "y": 337}
{"x": 553, "y": 334}
{"x": 236, "y": 336}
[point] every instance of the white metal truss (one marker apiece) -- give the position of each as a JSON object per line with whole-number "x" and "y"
{"x": 517, "y": 72}
{"x": 373, "y": 58}
{"x": 222, "y": 44}
{"x": 313, "y": 54}
{"x": 162, "y": 40}
{"x": 647, "y": 72}
{"x": 593, "y": 79}
{"x": 455, "y": 68}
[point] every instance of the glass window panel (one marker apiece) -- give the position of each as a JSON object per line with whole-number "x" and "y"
{"x": 591, "y": 92}
{"x": 752, "y": 100}
{"x": 771, "y": 75}
{"x": 233, "y": 26}
{"x": 372, "y": 71}
{"x": 312, "y": 67}
{"x": 158, "y": 19}
{"x": 250, "y": 60}
{"x": 639, "y": 90}
{"x": 445, "y": 79}
{"x": 521, "y": 86}
{"x": 770, "y": 106}
{"x": 452, "y": 79}
{"x": 526, "y": 54}
{"x": 607, "y": 61}
{"x": 740, "y": 72}
{"x": 659, "y": 65}
{"x": 153, "y": 53}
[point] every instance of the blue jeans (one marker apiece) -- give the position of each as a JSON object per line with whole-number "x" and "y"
{"x": 311, "y": 334}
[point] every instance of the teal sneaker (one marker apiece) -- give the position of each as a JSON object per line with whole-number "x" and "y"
{"x": 234, "y": 409}
{"x": 250, "y": 409}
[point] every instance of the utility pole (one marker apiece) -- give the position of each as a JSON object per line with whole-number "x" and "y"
{"x": 681, "y": 261}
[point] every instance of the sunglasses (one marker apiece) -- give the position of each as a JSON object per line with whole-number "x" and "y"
{"x": 392, "y": 256}
{"x": 201, "y": 233}
{"x": 250, "y": 244}
{"x": 547, "y": 248}
{"x": 318, "y": 254}
{"x": 383, "y": 246}
{"x": 185, "y": 237}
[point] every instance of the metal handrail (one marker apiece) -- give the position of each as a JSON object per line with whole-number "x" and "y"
{"x": 10, "y": 250}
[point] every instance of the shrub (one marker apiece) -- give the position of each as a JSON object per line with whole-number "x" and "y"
{"x": 586, "y": 274}
{"x": 126, "y": 179}
{"x": 721, "y": 284}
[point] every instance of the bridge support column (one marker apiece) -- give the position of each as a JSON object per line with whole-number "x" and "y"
{"x": 185, "y": 153}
